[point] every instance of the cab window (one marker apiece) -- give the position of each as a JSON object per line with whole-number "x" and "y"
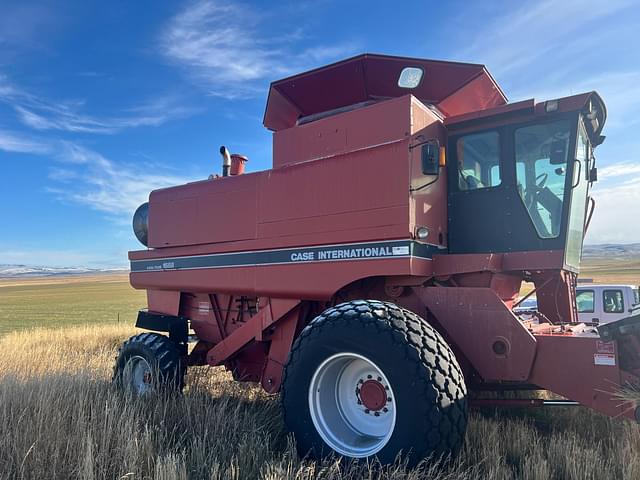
{"x": 541, "y": 167}
{"x": 613, "y": 301}
{"x": 478, "y": 158}
{"x": 585, "y": 300}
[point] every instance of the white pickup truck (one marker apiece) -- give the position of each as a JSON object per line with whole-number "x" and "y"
{"x": 606, "y": 303}
{"x": 598, "y": 303}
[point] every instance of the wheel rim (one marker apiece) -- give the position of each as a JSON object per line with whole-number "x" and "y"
{"x": 352, "y": 405}
{"x": 138, "y": 375}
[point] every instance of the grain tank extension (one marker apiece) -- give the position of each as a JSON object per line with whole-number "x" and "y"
{"x": 370, "y": 276}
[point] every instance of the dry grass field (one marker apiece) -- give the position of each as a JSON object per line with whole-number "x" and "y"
{"x": 612, "y": 270}
{"x": 61, "y": 418}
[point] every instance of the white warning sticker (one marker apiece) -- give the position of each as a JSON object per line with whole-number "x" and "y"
{"x": 403, "y": 250}
{"x": 604, "y": 359}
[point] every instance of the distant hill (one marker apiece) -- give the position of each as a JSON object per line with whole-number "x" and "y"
{"x": 611, "y": 250}
{"x": 611, "y": 263}
{"x": 25, "y": 271}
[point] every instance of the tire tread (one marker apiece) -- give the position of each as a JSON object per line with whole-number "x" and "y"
{"x": 164, "y": 353}
{"x": 439, "y": 378}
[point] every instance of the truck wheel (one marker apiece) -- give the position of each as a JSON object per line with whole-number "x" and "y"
{"x": 149, "y": 362}
{"x": 370, "y": 378}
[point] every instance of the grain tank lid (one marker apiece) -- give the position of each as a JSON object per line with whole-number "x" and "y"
{"x": 455, "y": 88}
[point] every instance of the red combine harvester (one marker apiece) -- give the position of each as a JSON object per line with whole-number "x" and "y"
{"x": 370, "y": 276}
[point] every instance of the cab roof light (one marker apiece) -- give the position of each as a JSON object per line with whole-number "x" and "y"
{"x": 410, "y": 77}
{"x": 551, "y": 106}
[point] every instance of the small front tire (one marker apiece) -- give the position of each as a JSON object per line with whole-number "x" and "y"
{"x": 147, "y": 363}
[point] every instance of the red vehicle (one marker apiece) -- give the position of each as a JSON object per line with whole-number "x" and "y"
{"x": 370, "y": 276}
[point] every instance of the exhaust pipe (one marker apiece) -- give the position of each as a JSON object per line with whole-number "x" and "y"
{"x": 226, "y": 160}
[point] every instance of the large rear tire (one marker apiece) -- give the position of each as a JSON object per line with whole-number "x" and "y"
{"x": 149, "y": 362}
{"x": 368, "y": 378}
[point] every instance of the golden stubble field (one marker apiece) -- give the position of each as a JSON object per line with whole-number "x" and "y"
{"x": 61, "y": 418}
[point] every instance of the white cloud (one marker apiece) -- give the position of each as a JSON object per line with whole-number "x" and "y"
{"x": 18, "y": 143}
{"x": 106, "y": 186}
{"x": 615, "y": 216}
{"x": 620, "y": 91}
{"x": 220, "y": 46}
{"x": 63, "y": 175}
{"x": 619, "y": 170}
{"x": 42, "y": 114}
{"x": 65, "y": 118}
{"x": 26, "y": 26}
{"x": 617, "y": 199}
{"x": 539, "y": 31}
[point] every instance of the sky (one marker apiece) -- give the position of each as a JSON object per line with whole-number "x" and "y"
{"x": 102, "y": 102}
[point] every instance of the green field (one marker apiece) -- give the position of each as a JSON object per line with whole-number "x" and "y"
{"x": 68, "y": 301}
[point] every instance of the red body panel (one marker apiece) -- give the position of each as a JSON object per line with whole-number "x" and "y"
{"x": 479, "y": 310}
{"x": 565, "y": 365}
{"x": 377, "y": 124}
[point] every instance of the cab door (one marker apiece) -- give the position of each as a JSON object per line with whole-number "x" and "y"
{"x": 478, "y": 187}
{"x": 508, "y": 187}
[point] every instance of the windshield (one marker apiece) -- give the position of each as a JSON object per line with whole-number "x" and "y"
{"x": 578, "y": 201}
{"x": 541, "y": 167}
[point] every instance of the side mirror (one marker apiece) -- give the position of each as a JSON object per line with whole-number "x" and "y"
{"x": 431, "y": 158}
{"x": 558, "y": 153}
{"x": 593, "y": 175}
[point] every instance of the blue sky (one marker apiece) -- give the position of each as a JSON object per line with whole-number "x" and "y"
{"x": 101, "y": 102}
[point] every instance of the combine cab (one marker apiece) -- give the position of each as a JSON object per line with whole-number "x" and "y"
{"x": 370, "y": 276}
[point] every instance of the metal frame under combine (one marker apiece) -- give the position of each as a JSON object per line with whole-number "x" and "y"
{"x": 369, "y": 199}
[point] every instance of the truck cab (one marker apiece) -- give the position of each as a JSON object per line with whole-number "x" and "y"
{"x": 606, "y": 303}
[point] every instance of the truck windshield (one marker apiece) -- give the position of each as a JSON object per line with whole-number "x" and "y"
{"x": 541, "y": 168}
